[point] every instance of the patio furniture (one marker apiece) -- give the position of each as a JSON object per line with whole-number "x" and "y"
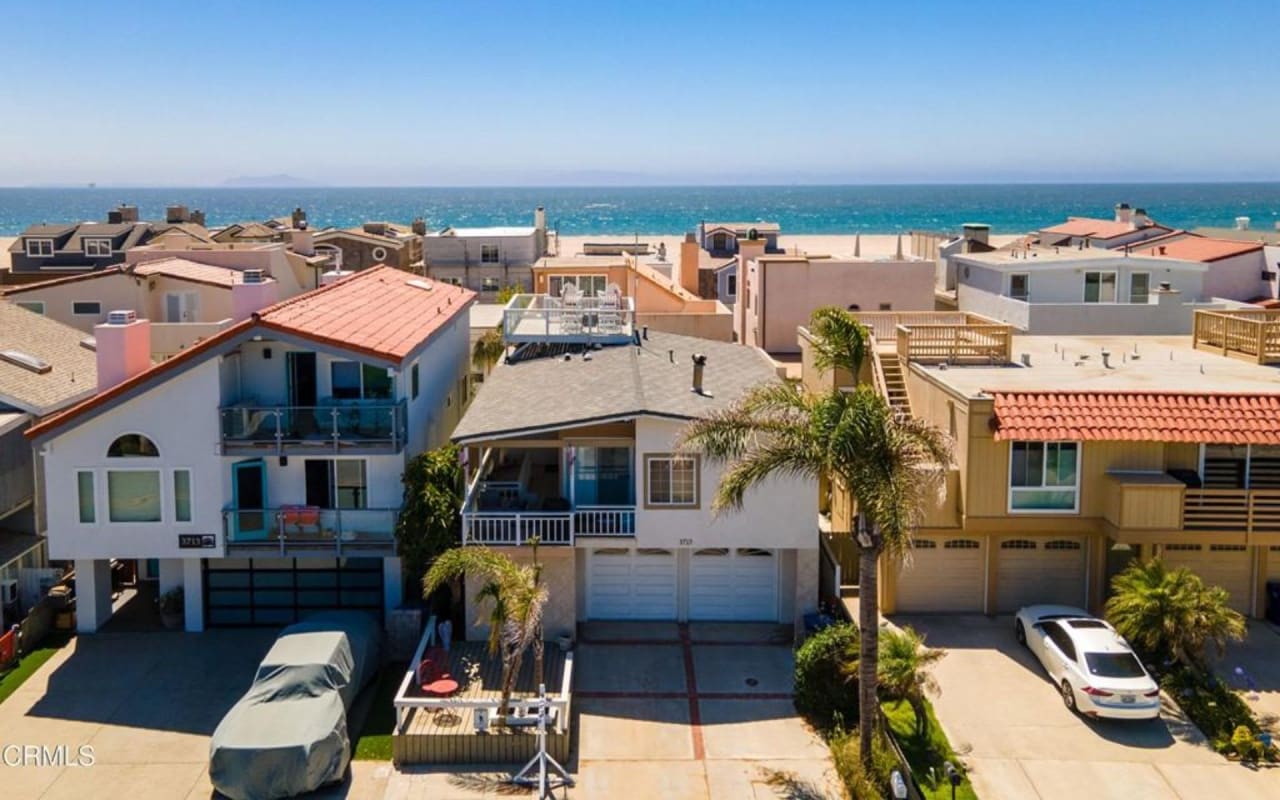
{"x": 299, "y": 517}
{"x": 433, "y": 676}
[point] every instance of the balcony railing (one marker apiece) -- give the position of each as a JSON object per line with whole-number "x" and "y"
{"x": 543, "y": 318}
{"x": 550, "y": 527}
{"x": 358, "y": 425}
{"x": 955, "y": 344}
{"x": 1232, "y": 510}
{"x": 1245, "y": 333}
{"x": 293, "y": 528}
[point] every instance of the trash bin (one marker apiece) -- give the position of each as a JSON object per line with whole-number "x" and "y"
{"x": 1273, "y": 601}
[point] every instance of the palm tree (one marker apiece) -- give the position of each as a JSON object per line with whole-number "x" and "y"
{"x": 1172, "y": 613}
{"x": 488, "y": 350}
{"x": 903, "y": 671}
{"x": 886, "y": 461}
{"x": 840, "y": 341}
{"x": 518, "y": 600}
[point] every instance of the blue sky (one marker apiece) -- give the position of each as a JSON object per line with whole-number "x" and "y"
{"x": 489, "y": 93}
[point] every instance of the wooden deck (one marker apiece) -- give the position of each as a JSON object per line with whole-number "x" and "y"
{"x": 448, "y": 735}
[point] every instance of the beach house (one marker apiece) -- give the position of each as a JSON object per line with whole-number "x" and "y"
{"x": 260, "y": 468}
{"x": 487, "y": 259}
{"x": 375, "y": 243}
{"x": 1076, "y": 454}
{"x": 721, "y": 239}
{"x": 624, "y": 521}
{"x": 1129, "y": 226}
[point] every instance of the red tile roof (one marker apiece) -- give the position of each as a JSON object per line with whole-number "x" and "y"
{"x": 1219, "y": 418}
{"x": 381, "y": 311}
{"x": 1197, "y": 248}
{"x": 1086, "y": 226}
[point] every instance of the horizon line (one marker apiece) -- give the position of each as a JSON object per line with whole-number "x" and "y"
{"x": 794, "y": 184}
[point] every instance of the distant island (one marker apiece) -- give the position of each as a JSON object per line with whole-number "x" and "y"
{"x": 267, "y": 182}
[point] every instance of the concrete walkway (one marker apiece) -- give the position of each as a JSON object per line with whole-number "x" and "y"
{"x": 700, "y": 711}
{"x": 1253, "y": 666}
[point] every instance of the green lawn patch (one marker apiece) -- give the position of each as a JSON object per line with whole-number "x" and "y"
{"x": 925, "y": 750}
{"x": 12, "y": 679}
{"x": 374, "y": 741}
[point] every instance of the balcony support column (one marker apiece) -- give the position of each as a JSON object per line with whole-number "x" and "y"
{"x": 193, "y": 594}
{"x": 392, "y": 584}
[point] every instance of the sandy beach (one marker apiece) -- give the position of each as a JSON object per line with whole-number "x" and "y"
{"x": 871, "y": 246}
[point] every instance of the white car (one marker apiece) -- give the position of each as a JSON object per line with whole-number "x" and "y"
{"x": 1094, "y": 668}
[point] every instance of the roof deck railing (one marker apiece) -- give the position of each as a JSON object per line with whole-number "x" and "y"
{"x": 1249, "y": 334}
{"x": 545, "y": 318}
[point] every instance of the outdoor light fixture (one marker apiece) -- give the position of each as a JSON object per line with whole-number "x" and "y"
{"x": 953, "y": 777}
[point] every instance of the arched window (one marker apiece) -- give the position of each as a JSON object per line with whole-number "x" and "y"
{"x": 133, "y": 445}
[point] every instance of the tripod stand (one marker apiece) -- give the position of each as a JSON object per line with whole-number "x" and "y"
{"x": 542, "y": 771}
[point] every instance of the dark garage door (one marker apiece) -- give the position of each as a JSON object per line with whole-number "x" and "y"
{"x": 280, "y": 591}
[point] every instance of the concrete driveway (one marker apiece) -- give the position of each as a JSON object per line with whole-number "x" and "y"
{"x": 1254, "y": 667}
{"x": 693, "y": 712}
{"x": 146, "y": 703}
{"x": 1005, "y": 718}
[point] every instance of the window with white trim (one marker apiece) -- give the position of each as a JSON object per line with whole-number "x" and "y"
{"x": 489, "y": 285}
{"x": 88, "y": 503}
{"x": 1100, "y": 287}
{"x": 182, "y": 495}
{"x": 589, "y": 285}
{"x": 671, "y": 481}
{"x": 97, "y": 248}
{"x": 731, "y": 286}
{"x": 1044, "y": 476}
{"x": 39, "y": 248}
{"x": 379, "y": 254}
{"x": 490, "y": 254}
{"x": 133, "y": 495}
{"x": 1139, "y": 287}
{"x": 1020, "y": 286}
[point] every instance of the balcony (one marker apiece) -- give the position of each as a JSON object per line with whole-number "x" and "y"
{"x": 307, "y": 530}
{"x": 354, "y": 427}
{"x": 494, "y": 516}
{"x": 1154, "y": 502}
{"x": 1252, "y": 335}
{"x": 1247, "y": 511}
{"x": 1144, "y": 501}
{"x": 586, "y": 320}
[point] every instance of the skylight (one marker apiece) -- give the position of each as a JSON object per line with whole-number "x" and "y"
{"x": 25, "y": 360}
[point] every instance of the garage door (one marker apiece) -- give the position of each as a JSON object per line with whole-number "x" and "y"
{"x": 1225, "y": 565}
{"x": 945, "y": 575}
{"x": 280, "y": 591}
{"x": 1031, "y": 572}
{"x": 631, "y": 584}
{"x": 733, "y": 584}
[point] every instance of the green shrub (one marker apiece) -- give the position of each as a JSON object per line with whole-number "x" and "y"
{"x": 1210, "y": 704}
{"x": 824, "y": 694}
{"x": 863, "y": 784}
{"x": 1246, "y": 745}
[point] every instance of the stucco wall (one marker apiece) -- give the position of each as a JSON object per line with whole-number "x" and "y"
{"x": 114, "y": 292}
{"x": 717, "y": 326}
{"x": 1238, "y": 278}
{"x": 559, "y": 574}
{"x": 454, "y": 250}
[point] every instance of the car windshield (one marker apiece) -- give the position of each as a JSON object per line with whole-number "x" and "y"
{"x": 1114, "y": 665}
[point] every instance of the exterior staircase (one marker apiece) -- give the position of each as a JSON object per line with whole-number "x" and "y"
{"x": 895, "y": 383}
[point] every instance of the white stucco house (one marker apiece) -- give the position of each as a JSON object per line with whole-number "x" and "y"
{"x": 260, "y": 468}
{"x": 574, "y": 441}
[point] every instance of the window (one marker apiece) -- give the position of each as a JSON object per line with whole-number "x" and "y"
{"x": 182, "y": 495}
{"x": 352, "y": 380}
{"x": 1114, "y": 665}
{"x": 731, "y": 288}
{"x": 589, "y": 285}
{"x": 924, "y": 544}
{"x": 181, "y": 306}
{"x": 413, "y": 381}
{"x": 84, "y": 485}
{"x": 133, "y": 445}
{"x": 1099, "y": 287}
{"x": 133, "y": 495}
{"x": 1061, "y": 638}
{"x": 336, "y": 483}
{"x": 452, "y": 281}
{"x": 1139, "y": 287}
{"x": 886, "y": 306}
{"x": 1043, "y": 476}
{"x": 1020, "y": 286}
{"x": 97, "y": 248}
{"x": 719, "y": 241}
{"x": 86, "y": 309}
{"x": 489, "y": 285}
{"x": 489, "y": 254}
{"x": 379, "y": 254}
{"x": 39, "y": 248}
{"x": 962, "y": 544}
{"x": 32, "y": 305}
{"x": 671, "y": 481}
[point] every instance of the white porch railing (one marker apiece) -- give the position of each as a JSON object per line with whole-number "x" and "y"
{"x": 550, "y": 527}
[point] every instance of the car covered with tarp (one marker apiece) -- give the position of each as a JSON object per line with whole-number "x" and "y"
{"x": 288, "y": 734}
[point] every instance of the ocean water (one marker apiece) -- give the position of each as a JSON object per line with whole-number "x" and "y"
{"x": 575, "y": 211}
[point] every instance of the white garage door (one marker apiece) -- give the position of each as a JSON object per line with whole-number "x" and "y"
{"x": 733, "y": 584}
{"x": 1225, "y": 565}
{"x": 1032, "y": 572}
{"x": 631, "y": 584}
{"x": 945, "y": 575}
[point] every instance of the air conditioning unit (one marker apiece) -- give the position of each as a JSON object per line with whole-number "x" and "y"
{"x": 121, "y": 317}
{"x": 253, "y": 276}
{"x": 8, "y": 592}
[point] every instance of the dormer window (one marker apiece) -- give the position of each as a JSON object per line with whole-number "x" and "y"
{"x": 39, "y": 248}
{"x": 97, "y": 248}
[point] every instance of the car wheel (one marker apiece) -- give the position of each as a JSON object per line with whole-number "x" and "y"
{"x": 1019, "y": 632}
{"x": 1068, "y": 696}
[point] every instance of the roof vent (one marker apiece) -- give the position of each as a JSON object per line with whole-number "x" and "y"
{"x": 124, "y": 317}
{"x": 253, "y": 276}
{"x": 25, "y": 360}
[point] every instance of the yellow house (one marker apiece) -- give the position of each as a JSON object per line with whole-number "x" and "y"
{"x": 1075, "y": 455}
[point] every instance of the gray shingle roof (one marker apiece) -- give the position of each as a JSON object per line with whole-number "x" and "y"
{"x": 653, "y": 379}
{"x": 75, "y": 368}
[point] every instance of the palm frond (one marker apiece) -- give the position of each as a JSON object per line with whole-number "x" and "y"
{"x": 840, "y": 341}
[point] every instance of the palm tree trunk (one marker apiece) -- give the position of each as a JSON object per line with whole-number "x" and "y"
{"x": 508, "y": 683}
{"x": 868, "y": 649}
{"x": 538, "y": 646}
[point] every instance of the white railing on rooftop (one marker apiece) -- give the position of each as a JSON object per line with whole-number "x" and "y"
{"x": 540, "y": 318}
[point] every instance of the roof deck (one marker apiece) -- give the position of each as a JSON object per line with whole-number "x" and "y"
{"x": 540, "y": 318}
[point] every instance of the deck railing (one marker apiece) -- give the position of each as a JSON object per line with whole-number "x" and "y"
{"x": 544, "y": 318}
{"x": 1232, "y": 510}
{"x": 550, "y": 527}
{"x": 1245, "y": 333}
{"x": 334, "y": 427}
{"x": 955, "y": 344}
{"x": 291, "y": 528}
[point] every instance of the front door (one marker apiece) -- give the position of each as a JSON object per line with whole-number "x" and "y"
{"x": 249, "y": 499}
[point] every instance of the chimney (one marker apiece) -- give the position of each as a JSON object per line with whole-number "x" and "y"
{"x": 176, "y": 214}
{"x": 114, "y": 217}
{"x": 699, "y": 367}
{"x": 976, "y": 232}
{"x": 252, "y": 293}
{"x": 123, "y": 345}
{"x": 420, "y": 227}
{"x": 298, "y": 217}
{"x": 128, "y": 213}
{"x": 1124, "y": 213}
{"x": 302, "y": 241}
{"x": 1141, "y": 219}
{"x": 197, "y": 217}
{"x": 540, "y": 218}
{"x": 376, "y": 228}
{"x": 687, "y": 268}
